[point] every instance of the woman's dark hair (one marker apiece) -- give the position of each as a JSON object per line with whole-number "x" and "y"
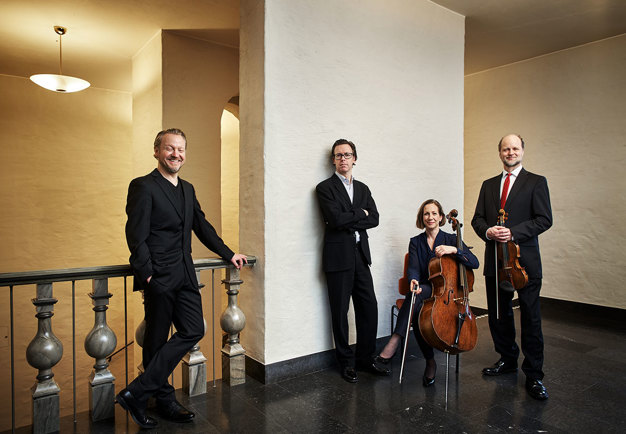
{"x": 420, "y": 213}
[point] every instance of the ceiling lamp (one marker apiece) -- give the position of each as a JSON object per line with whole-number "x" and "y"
{"x": 60, "y": 82}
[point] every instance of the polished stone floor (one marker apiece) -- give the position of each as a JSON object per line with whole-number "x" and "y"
{"x": 585, "y": 375}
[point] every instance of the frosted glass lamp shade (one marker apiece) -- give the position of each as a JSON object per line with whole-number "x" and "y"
{"x": 60, "y": 83}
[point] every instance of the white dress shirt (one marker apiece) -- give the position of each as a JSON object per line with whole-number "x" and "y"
{"x": 349, "y": 185}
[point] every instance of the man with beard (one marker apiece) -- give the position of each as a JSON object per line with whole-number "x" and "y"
{"x": 162, "y": 211}
{"x": 525, "y": 198}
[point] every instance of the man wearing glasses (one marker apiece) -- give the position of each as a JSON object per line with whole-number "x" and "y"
{"x": 349, "y": 210}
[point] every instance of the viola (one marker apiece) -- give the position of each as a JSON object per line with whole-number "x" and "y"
{"x": 511, "y": 275}
{"x": 446, "y": 320}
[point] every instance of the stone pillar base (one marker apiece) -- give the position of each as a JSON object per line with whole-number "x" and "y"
{"x": 46, "y": 414}
{"x": 233, "y": 364}
{"x": 194, "y": 378}
{"x": 102, "y": 401}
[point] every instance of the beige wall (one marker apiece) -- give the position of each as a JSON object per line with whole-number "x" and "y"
{"x": 65, "y": 152}
{"x": 68, "y": 161}
{"x": 569, "y": 107}
{"x": 147, "y": 119}
{"x": 230, "y": 180}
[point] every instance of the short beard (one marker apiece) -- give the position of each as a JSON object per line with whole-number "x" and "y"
{"x": 169, "y": 169}
{"x": 517, "y": 163}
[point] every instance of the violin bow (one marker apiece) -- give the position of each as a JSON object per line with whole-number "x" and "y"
{"x": 406, "y": 336}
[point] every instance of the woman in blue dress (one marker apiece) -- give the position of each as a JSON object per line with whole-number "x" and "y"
{"x": 431, "y": 243}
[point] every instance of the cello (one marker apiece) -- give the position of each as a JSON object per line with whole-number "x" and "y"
{"x": 446, "y": 321}
{"x": 511, "y": 275}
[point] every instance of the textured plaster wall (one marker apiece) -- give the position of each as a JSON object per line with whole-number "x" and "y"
{"x": 569, "y": 107}
{"x": 252, "y": 171}
{"x": 388, "y": 76}
{"x": 63, "y": 194}
{"x": 147, "y": 103}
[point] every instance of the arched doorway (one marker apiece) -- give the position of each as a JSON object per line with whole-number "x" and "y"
{"x": 230, "y": 173}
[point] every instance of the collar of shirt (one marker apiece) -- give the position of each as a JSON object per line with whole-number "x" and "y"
{"x": 513, "y": 173}
{"x": 345, "y": 180}
{"x": 349, "y": 186}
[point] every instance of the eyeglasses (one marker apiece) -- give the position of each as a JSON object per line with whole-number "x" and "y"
{"x": 347, "y": 156}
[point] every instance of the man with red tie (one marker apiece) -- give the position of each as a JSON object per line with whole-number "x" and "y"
{"x": 525, "y": 198}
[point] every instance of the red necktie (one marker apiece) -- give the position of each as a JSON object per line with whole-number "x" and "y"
{"x": 505, "y": 190}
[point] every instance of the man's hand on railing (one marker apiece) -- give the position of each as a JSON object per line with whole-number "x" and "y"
{"x": 238, "y": 259}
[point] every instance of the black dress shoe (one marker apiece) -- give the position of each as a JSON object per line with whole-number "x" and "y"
{"x": 175, "y": 412}
{"x": 500, "y": 367}
{"x": 536, "y": 389}
{"x": 128, "y": 402}
{"x": 373, "y": 368}
{"x": 349, "y": 374}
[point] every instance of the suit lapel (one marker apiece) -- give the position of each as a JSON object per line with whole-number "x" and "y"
{"x": 517, "y": 186}
{"x": 495, "y": 191}
{"x": 341, "y": 189}
{"x": 358, "y": 193}
{"x": 161, "y": 182}
{"x": 188, "y": 194}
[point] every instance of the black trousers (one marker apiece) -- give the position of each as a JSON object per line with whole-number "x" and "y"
{"x": 356, "y": 283}
{"x": 403, "y": 319}
{"x": 503, "y": 330}
{"x": 180, "y": 305}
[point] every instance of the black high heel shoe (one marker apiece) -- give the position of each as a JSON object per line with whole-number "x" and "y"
{"x": 382, "y": 360}
{"x": 426, "y": 381}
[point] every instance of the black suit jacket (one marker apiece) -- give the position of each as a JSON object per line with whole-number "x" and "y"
{"x": 342, "y": 219}
{"x": 529, "y": 214}
{"x": 159, "y": 238}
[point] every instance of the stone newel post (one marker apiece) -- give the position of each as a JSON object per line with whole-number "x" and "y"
{"x": 100, "y": 343}
{"x": 43, "y": 352}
